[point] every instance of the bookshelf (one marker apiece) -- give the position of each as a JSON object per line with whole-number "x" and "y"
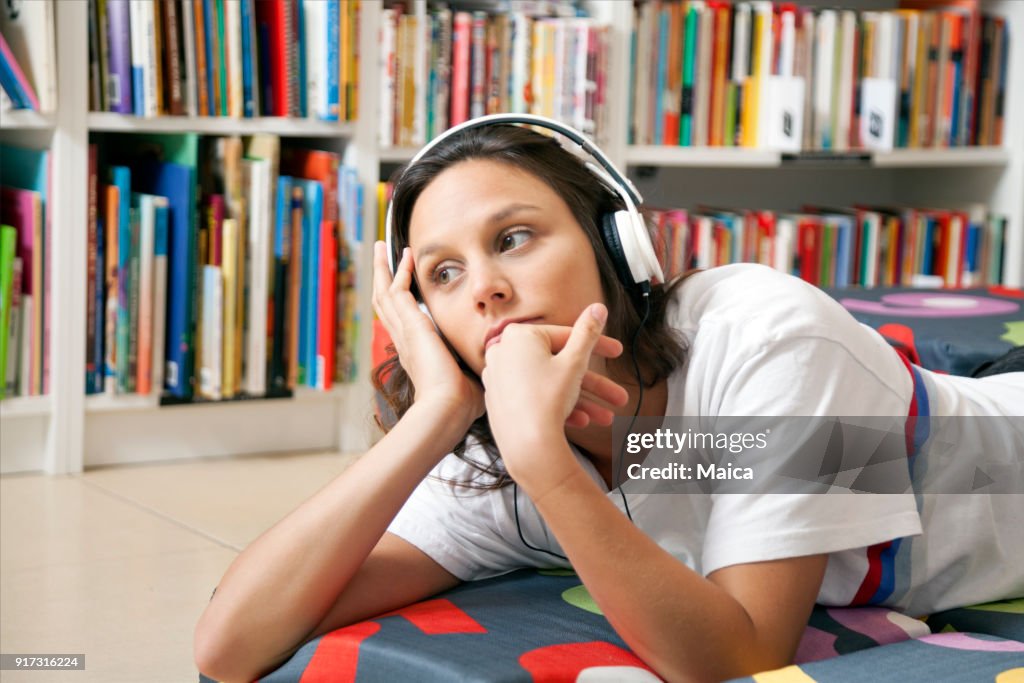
{"x": 67, "y": 431}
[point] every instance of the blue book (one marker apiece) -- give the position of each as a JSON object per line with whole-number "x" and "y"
{"x": 248, "y": 108}
{"x": 929, "y": 241}
{"x": 333, "y": 65}
{"x": 11, "y": 85}
{"x": 300, "y": 32}
{"x": 843, "y": 250}
{"x": 266, "y": 82}
{"x": 121, "y": 176}
{"x": 953, "y": 138}
{"x": 281, "y": 216}
{"x": 309, "y": 297}
{"x": 177, "y": 183}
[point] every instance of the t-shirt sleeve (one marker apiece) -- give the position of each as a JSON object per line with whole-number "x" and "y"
{"x": 456, "y": 526}
{"x": 807, "y": 375}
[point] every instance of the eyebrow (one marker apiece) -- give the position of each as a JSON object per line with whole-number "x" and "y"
{"x": 497, "y": 217}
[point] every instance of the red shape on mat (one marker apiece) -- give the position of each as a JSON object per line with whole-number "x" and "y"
{"x": 564, "y": 662}
{"x": 337, "y": 655}
{"x": 1012, "y": 292}
{"x": 438, "y": 617}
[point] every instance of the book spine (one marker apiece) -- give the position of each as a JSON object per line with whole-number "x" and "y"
{"x": 229, "y": 275}
{"x": 315, "y": 50}
{"x": 134, "y": 278}
{"x": 8, "y": 249}
{"x": 15, "y": 351}
{"x": 296, "y": 266}
{"x": 103, "y": 41}
{"x": 460, "y": 69}
{"x": 174, "y": 98}
{"x": 120, "y": 95}
{"x": 386, "y": 74}
{"x": 144, "y": 296}
{"x": 233, "y": 40}
{"x": 160, "y": 243}
{"x": 90, "y": 295}
{"x": 248, "y": 83}
{"x": 326, "y": 324}
{"x": 279, "y": 313}
{"x": 213, "y": 298}
{"x": 112, "y": 202}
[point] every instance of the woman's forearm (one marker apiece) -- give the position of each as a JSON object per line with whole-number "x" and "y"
{"x": 280, "y": 587}
{"x": 683, "y": 625}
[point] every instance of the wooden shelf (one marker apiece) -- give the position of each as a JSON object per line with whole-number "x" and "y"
{"x": 951, "y": 157}
{"x": 701, "y": 157}
{"x": 396, "y": 155}
{"x": 219, "y": 125}
{"x": 25, "y": 119}
{"x": 25, "y": 406}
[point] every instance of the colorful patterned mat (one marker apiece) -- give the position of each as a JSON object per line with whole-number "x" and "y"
{"x": 544, "y": 626}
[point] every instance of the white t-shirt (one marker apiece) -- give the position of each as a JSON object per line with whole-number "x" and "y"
{"x": 762, "y": 343}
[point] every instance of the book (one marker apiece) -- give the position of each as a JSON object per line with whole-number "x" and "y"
{"x": 212, "y": 331}
{"x": 28, "y": 30}
{"x": 8, "y": 249}
{"x": 161, "y": 226}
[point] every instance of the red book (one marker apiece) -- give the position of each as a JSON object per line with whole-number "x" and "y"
{"x": 809, "y": 238}
{"x": 327, "y": 327}
{"x": 270, "y": 16}
{"x": 460, "y": 68}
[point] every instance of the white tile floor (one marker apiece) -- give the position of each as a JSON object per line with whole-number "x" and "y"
{"x": 118, "y": 563}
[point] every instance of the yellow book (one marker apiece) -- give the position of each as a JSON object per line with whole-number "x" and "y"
{"x": 229, "y": 270}
{"x": 382, "y": 209}
{"x": 752, "y": 85}
{"x": 343, "y": 59}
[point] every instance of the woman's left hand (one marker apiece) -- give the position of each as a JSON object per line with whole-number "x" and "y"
{"x": 533, "y": 379}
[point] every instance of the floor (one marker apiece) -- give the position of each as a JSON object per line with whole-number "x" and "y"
{"x": 117, "y": 563}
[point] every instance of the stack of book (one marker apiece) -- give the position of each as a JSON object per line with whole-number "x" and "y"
{"x": 244, "y": 289}
{"x": 25, "y": 243}
{"x": 28, "y": 69}
{"x": 714, "y": 73}
{"x": 862, "y": 246}
{"x": 441, "y": 68}
{"x": 237, "y": 58}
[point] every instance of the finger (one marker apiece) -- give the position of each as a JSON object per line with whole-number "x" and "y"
{"x": 596, "y": 413}
{"x": 585, "y": 332}
{"x": 606, "y": 347}
{"x": 604, "y": 388}
{"x": 403, "y": 273}
{"x": 577, "y": 418}
{"x": 381, "y": 273}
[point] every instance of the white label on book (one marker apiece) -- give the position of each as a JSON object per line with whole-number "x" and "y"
{"x": 877, "y": 113}
{"x": 784, "y": 117}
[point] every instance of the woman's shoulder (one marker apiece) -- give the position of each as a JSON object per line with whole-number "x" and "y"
{"x": 756, "y": 296}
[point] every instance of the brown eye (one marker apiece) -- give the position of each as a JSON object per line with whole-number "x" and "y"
{"x": 511, "y": 240}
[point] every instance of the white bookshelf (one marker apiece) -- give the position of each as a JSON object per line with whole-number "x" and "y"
{"x": 67, "y": 431}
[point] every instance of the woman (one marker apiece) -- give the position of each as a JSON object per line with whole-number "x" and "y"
{"x": 498, "y": 235}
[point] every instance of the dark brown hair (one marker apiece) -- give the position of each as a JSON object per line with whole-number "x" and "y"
{"x": 659, "y": 349}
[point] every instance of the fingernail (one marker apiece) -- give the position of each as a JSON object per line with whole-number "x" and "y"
{"x": 599, "y": 312}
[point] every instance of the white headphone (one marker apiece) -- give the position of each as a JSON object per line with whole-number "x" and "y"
{"x": 623, "y": 232}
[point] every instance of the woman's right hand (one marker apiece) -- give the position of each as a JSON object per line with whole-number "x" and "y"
{"x": 431, "y": 366}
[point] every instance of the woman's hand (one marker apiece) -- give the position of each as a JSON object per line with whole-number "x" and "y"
{"x": 433, "y": 370}
{"x": 535, "y": 378}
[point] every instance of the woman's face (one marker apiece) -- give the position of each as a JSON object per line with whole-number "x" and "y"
{"x": 493, "y": 244}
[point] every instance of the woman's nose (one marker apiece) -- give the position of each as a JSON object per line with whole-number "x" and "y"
{"x": 490, "y": 287}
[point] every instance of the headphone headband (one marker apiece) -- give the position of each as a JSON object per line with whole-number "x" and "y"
{"x": 611, "y": 177}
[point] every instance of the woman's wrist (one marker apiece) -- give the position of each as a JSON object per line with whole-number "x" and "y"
{"x": 446, "y": 421}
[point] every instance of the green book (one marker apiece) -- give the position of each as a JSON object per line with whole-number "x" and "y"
{"x": 8, "y": 244}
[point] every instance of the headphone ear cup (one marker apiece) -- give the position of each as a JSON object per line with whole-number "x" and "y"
{"x": 613, "y": 245}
